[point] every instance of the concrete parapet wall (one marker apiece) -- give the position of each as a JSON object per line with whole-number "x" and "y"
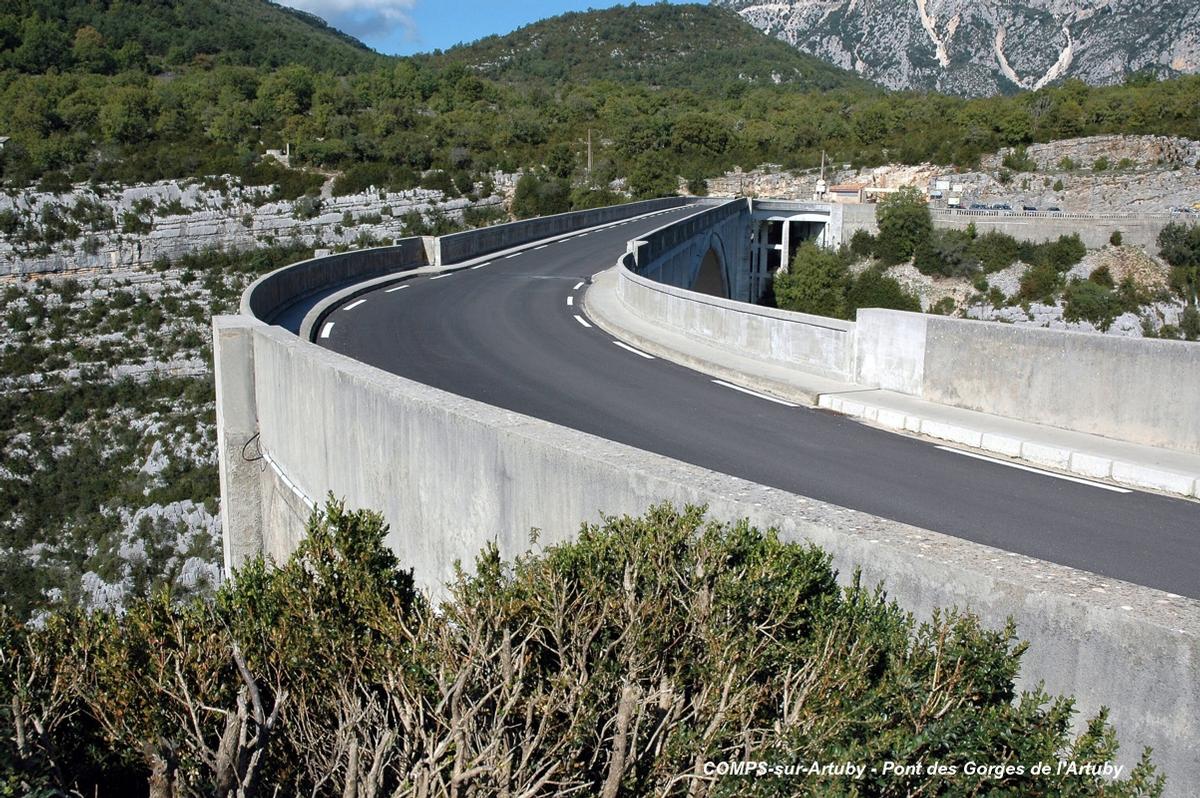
{"x": 1143, "y": 391}
{"x": 451, "y": 474}
{"x": 813, "y": 343}
{"x": 1140, "y": 390}
{"x": 457, "y": 247}
{"x": 272, "y": 293}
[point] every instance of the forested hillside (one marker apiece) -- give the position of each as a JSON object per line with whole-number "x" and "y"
{"x": 703, "y": 48}
{"x": 695, "y": 113}
{"x": 109, "y": 36}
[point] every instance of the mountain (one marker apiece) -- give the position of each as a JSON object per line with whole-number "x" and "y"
{"x": 678, "y": 46}
{"x": 980, "y": 47}
{"x": 107, "y": 36}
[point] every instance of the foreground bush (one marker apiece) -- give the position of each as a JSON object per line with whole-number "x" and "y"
{"x": 619, "y": 665}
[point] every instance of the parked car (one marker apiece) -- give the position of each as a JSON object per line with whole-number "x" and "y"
{"x": 1054, "y": 209}
{"x": 1002, "y": 206}
{"x": 1029, "y": 208}
{"x": 978, "y": 206}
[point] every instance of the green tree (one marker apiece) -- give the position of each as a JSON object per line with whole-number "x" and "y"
{"x": 816, "y": 282}
{"x": 90, "y": 52}
{"x": 650, "y": 177}
{"x": 904, "y": 223}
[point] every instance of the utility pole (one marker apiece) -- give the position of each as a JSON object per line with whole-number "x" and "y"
{"x": 589, "y": 166}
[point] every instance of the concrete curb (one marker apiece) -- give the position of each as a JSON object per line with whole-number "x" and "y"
{"x": 1058, "y": 458}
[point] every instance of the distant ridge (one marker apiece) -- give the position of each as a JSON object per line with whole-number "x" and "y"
{"x": 670, "y": 46}
{"x": 37, "y": 35}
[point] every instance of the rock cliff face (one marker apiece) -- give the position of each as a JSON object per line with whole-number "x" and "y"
{"x": 98, "y": 230}
{"x": 980, "y": 47}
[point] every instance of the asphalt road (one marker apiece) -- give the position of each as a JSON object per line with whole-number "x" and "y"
{"x": 511, "y": 333}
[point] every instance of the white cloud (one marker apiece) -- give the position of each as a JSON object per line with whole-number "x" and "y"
{"x": 362, "y": 18}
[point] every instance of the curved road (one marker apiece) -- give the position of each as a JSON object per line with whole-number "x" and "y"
{"x": 511, "y": 333}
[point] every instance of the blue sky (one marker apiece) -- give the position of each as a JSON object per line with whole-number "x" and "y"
{"x": 403, "y": 27}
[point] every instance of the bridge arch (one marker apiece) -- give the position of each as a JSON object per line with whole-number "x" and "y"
{"x": 711, "y": 275}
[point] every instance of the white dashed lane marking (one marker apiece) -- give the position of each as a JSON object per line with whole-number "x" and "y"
{"x": 397, "y": 288}
{"x": 327, "y": 329}
{"x": 637, "y": 352}
{"x": 353, "y": 305}
{"x": 754, "y": 393}
{"x": 582, "y": 321}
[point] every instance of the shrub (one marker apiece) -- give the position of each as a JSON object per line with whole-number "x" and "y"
{"x": 1189, "y": 323}
{"x": 1091, "y": 302}
{"x": 1101, "y": 164}
{"x": 1064, "y": 252}
{"x": 1019, "y": 161}
{"x": 539, "y": 194}
{"x": 1058, "y": 185}
{"x": 1115, "y": 239}
{"x": 994, "y": 251}
{"x": 948, "y": 253}
{"x": 701, "y": 641}
{"x": 438, "y": 180}
{"x": 944, "y": 306}
{"x": 1040, "y": 283}
{"x": 131, "y": 223}
{"x": 862, "y": 244}
{"x": 1179, "y": 245}
{"x": 874, "y": 289}
{"x": 1066, "y": 164}
{"x": 1102, "y": 276}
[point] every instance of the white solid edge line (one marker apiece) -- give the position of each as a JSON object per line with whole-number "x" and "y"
{"x": 440, "y": 276}
{"x": 755, "y": 393}
{"x": 578, "y": 285}
{"x": 570, "y": 301}
{"x": 635, "y": 351}
{"x": 353, "y": 305}
{"x": 397, "y": 288}
{"x": 582, "y": 320}
{"x": 327, "y": 329}
{"x": 998, "y": 461}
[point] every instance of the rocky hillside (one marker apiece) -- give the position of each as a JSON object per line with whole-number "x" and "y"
{"x": 980, "y": 47}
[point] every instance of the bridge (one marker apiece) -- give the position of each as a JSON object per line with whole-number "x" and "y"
{"x": 472, "y": 388}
